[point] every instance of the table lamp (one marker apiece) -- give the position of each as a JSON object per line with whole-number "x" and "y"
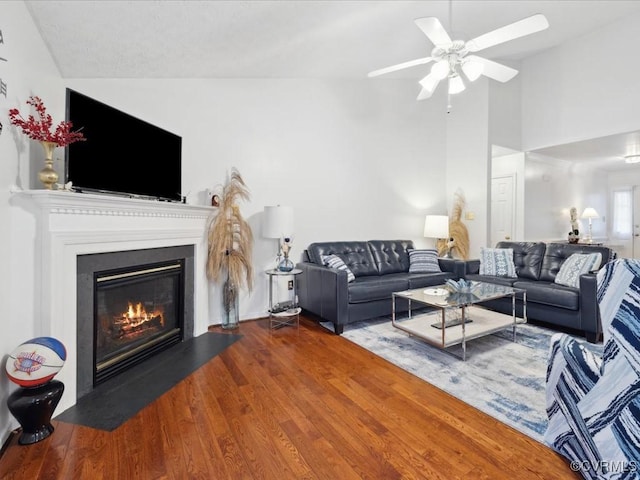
{"x": 590, "y": 213}
{"x": 437, "y": 226}
{"x": 278, "y": 223}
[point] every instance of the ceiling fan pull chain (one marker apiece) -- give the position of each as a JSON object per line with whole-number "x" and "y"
{"x": 451, "y": 17}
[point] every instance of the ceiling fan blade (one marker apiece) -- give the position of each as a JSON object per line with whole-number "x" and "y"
{"x": 526, "y": 26}
{"x": 428, "y": 84}
{"x": 494, "y": 70}
{"x": 434, "y": 30}
{"x": 400, "y": 66}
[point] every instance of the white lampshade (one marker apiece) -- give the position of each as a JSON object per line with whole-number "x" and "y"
{"x": 278, "y": 222}
{"x": 436, "y": 226}
{"x": 590, "y": 212}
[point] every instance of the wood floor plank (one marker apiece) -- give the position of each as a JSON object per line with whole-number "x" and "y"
{"x": 226, "y": 452}
{"x": 297, "y": 402}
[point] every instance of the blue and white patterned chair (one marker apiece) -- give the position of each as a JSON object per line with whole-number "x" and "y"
{"x": 593, "y": 402}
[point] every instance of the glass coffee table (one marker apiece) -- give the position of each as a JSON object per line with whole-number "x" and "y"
{"x": 454, "y": 318}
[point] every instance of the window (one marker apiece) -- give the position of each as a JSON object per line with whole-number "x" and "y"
{"x": 622, "y": 214}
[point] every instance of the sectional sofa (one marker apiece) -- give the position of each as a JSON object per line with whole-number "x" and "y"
{"x": 379, "y": 268}
{"x": 536, "y": 267}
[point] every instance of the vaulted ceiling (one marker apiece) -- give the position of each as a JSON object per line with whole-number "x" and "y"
{"x": 287, "y": 39}
{"x": 335, "y": 39}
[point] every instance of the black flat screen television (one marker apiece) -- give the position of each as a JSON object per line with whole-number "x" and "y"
{"x": 121, "y": 154}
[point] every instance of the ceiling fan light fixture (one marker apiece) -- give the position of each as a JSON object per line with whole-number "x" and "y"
{"x": 450, "y": 57}
{"x": 440, "y": 69}
{"x": 635, "y": 158}
{"x": 430, "y": 82}
{"x": 472, "y": 69}
{"x": 456, "y": 85}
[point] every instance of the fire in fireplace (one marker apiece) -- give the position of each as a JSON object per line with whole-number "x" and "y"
{"x": 138, "y": 312}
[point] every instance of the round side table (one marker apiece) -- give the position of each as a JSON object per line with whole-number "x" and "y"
{"x": 285, "y": 313}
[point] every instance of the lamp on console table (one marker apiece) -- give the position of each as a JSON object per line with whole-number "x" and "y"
{"x": 590, "y": 213}
{"x": 437, "y": 226}
{"x": 278, "y": 223}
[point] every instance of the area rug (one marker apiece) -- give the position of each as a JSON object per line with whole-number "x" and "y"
{"x": 499, "y": 377}
{"x": 115, "y": 401}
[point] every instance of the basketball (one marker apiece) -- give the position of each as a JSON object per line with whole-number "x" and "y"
{"x": 36, "y": 361}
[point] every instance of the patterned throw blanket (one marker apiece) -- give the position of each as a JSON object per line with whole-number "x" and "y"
{"x": 593, "y": 403}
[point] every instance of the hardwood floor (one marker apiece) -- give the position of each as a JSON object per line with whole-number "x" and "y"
{"x": 291, "y": 404}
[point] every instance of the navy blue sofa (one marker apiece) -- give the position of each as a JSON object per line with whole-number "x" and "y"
{"x": 381, "y": 267}
{"x": 537, "y": 264}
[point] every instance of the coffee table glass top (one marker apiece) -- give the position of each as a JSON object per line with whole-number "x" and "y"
{"x": 454, "y": 317}
{"x": 442, "y": 296}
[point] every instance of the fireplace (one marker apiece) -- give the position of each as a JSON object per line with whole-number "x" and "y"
{"x": 138, "y": 312}
{"x": 131, "y": 305}
{"x": 70, "y": 231}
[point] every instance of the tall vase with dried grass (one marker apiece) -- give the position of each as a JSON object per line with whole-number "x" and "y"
{"x": 230, "y": 248}
{"x": 458, "y": 234}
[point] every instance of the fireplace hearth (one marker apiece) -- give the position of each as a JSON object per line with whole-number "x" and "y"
{"x": 131, "y": 305}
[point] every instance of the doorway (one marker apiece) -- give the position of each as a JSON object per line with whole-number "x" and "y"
{"x": 635, "y": 227}
{"x": 502, "y": 208}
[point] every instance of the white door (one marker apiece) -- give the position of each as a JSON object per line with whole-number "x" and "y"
{"x": 502, "y": 208}
{"x": 636, "y": 223}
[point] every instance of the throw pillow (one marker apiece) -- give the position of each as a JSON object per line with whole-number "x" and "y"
{"x": 423, "y": 261}
{"x": 497, "y": 262}
{"x": 576, "y": 265}
{"x": 334, "y": 261}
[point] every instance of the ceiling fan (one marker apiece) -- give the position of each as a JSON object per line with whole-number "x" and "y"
{"x": 450, "y": 57}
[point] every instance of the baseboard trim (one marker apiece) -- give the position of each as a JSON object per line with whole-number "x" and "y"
{"x": 5, "y": 445}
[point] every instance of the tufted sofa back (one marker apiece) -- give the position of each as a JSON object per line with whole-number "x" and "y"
{"x": 527, "y": 257}
{"x": 391, "y": 256}
{"x": 374, "y": 257}
{"x": 557, "y": 253}
{"x": 356, "y": 255}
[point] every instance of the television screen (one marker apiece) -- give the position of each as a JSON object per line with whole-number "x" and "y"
{"x": 122, "y": 154}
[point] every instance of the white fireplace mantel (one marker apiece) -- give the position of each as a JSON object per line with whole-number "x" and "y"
{"x": 69, "y": 224}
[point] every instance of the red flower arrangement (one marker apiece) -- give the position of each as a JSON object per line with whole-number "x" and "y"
{"x": 40, "y": 129}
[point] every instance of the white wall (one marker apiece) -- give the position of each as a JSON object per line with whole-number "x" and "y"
{"x": 586, "y": 88}
{"x": 468, "y": 159}
{"x": 552, "y": 187}
{"x": 505, "y": 130}
{"x": 486, "y": 113}
{"x": 28, "y": 71}
{"x": 505, "y": 112}
{"x": 356, "y": 159}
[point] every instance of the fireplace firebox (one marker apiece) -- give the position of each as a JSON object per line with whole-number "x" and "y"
{"x": 131, "y": 304}
{"x": 138, "y": 312}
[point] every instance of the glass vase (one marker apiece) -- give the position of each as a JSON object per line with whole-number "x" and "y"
{"x": 230, "y": 305}
{"x": 285, "y": 265}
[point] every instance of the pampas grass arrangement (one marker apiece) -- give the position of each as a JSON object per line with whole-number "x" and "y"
{"x": 230, "y": 243}
{"x": 458, "y": 230}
